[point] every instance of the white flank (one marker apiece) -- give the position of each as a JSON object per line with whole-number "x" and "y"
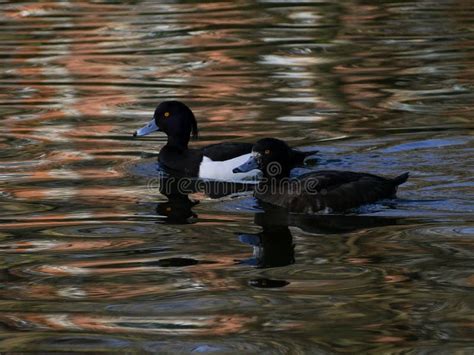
{"x": 222, "y": 170}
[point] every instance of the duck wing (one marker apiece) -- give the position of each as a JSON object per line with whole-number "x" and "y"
{"x": 230, "y": 150}
{"x": 226, "y": 151}
{"x": 334, "y": 190}
{"x": 342, "y": 190}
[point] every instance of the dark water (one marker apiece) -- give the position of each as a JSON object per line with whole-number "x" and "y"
{"x": 89, "y": 261}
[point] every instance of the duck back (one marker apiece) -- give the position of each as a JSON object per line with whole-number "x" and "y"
{"x": 226, "y": 151}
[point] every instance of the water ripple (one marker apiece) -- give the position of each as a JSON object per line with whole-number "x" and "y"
{"x": 92, "y": 260}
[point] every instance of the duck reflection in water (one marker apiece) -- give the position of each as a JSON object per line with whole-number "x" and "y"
{"x": 274, "y": 246}
{"x": 178, "y": 208}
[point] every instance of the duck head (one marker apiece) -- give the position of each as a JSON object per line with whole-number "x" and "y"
{"x": 176, "y": 120}
{"x": 271, "y": 156}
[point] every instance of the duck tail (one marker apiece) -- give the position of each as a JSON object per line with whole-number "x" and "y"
{"x": 299, "y": 156}
{"x": 309, "y": 153}
{"x": 401, "y": 179}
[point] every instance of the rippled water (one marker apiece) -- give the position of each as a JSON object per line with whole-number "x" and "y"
{"x": 94, "y": 259}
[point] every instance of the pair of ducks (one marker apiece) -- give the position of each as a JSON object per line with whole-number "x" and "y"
{"x": 325, "y": 190}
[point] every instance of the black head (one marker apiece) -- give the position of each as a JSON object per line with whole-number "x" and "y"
{"x": 175, "y": 119}
{"x": 271, "y": 156}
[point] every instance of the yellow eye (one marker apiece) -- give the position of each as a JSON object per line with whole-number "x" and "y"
{"x": 167, "y": 114}
{"x": 267, "y": 151}
{"x": 168, "y": 209}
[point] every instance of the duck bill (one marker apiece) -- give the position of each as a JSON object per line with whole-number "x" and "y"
{"x": 149, "y": 128}
{"x": 249, "y": 165}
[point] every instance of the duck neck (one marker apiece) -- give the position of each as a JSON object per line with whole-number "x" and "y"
{"x": 178, "y": 143}
{"x": 275, "y": 180}
{"x": 276, "y": 171}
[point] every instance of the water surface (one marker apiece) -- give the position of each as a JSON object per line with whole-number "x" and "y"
{"x": 93, "y": 259}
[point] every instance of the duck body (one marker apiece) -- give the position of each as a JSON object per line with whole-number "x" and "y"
{"x": 326, "y": 190}
{"x": 215, "y": 161}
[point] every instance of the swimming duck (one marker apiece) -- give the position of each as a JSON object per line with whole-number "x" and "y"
{"x": 215, "y": 161}
{"x": 327, "y": 190}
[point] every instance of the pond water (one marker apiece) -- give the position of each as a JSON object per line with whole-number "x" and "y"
{"x": 91, "y": 261}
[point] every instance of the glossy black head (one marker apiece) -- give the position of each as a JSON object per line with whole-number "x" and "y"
{"x": 176, "y": 120}
{"x": 272, "y": 156}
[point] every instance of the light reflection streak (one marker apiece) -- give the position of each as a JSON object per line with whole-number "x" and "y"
{"x": 37, "y": 246}
{"x": 172, "y": 325}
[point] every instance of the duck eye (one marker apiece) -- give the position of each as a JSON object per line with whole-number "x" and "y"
{"x": 167, "y": 114}
{"x": 267, "y": 151}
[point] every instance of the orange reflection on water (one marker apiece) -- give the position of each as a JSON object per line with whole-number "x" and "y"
{"x": 201, "y": 277}
{"x": 33, "y": 246}
{"x": 172, "y": 325}
{"x": 108, "y": 290}
{"x": 73, "y": 219}
{"x": 57, "y": 78}
{"x": 91, "y": 194}
{"x": 132, "y": 265}
{"x": 64, "y": 174}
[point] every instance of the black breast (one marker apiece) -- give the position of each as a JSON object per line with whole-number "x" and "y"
{"x": 181, "y": 162}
